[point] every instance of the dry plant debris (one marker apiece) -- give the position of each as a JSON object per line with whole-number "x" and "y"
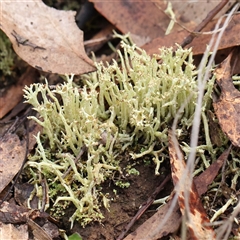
{"x": 141, "y": 27}
{"x": 10, "y": 214}
{"x": 227, "y": 106}
{"x": 10, "y": 231}
{"x": 230, "y": 38}
{"x": 193, "y": 12}
{"x": 144, "y": 29}
{"x": 14, "y": 95}
{"x": 189, "y": 201}
{"x": 44, "y": 37}
{"x": 12, "y": 150}
{"x": 150, "y": 228}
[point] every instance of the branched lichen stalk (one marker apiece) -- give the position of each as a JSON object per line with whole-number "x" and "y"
{"x": 118, "y": 107}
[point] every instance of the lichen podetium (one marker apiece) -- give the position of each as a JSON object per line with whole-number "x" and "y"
{"x": 118, "y": 107}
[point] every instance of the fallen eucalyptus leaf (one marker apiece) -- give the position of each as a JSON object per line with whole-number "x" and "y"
{"x": 227, "y": 106}
{"x": 12, "y": 152}
{"x": 46, "y": 38}
{"x": 198, "y": 225}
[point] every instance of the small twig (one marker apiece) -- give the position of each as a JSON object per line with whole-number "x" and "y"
{"x": 45, "y": 194}
{"x": 144, "y": 207}
{"x": 17, "y": 122}
{"x": 208, "y": 18}
{"x": 83, "y": 149}
{"x": 97, "y": 41}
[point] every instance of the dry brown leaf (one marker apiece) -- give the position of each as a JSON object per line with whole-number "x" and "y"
{"x": 231, "y": 38}
{"x": 227, "y": 107}
{"x": 206, "y": 178}
{"x": 14, "y": 94}
{"x": 40, "y": 233}
{"x": 12, "y": 213}
{"x": 46, "y": 38}
{"x": 12, "y": 152}
{"x": 22, "y": 193}
{"x": 145, "y": 20}
{"x": 148, "y": 228}
{"x": 142, "y": 19}
{"x": 197, "y": 216}
{"x": 99, "y": 39}
{"x": 195, "y": 11}
{"x": 13, "y": 232}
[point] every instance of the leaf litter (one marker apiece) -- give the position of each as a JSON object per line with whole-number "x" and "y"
{"x": 14, "y": 94}
{"x": 227, "y": 107}
{"x": 12, "y": 151}
{"x": 227, "y": 99}
{"x": 44, "y": 37}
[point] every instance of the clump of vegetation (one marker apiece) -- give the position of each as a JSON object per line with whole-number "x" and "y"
{"x": 117, "y": 108}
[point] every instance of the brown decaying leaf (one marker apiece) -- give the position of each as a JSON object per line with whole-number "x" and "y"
{"x": 197, "y": 216}
{"x": 145, "y": 20}
{"x": 227, "y": 107}
{"x": 206, "y": 178}
{"x": 14, "y": 94}
{"x": 195, "y": 11}
{"x": 173, "y": 222}
{"x": 12, "y": 152}
{"x": 142, "y": 19}
{"x": 39, "y": 233}
{"x": 99, "y": 39}
{"x": 13, "y": 232}
{"x": 148, "y": 229}
{"x": 22, "y": 193}
{"x": 46, "y": 38}
{"x": 230, "y": 38}
{"x": 12, "y": 213}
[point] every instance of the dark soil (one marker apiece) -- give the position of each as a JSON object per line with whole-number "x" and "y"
{"x": 124, "y": 205}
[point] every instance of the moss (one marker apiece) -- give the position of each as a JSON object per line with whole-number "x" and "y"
{"x": 6, "y": 59}
{"x": 6, "y": 54}
{"x": 117, "y": 108}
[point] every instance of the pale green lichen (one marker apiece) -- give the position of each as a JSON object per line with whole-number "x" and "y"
{"x": 117, "y": 108}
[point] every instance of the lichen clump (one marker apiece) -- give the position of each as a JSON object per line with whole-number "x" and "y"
{"x": 118, "y": 107}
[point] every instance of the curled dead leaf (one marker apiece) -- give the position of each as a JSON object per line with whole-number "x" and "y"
{"x": 150, "y": 228}
{"x": 198, "y": 219}
{"x": 12, "y": 152}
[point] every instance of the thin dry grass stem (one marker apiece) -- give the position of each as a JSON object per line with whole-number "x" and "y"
{"x": 203, "y": 76}
{"x": 224, "y": 230}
